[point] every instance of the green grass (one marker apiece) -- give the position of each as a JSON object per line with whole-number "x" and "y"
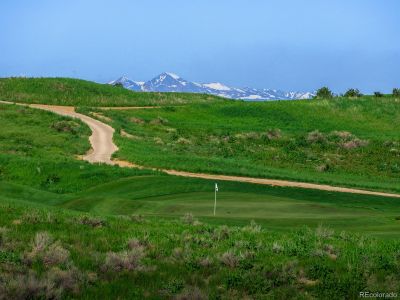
{"x": 80, "y": 256}
{"x": 75, "y": 92}
{"x": 347, "y": 142}
{"x": 39, "y": 149}
{"x": 69, "y": 229}
{"x": 36, "y": 166}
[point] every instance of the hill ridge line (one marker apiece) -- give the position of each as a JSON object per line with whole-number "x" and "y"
{"x": 103, "y": 148}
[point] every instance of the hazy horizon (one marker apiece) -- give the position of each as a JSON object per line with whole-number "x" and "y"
{"x": 285, "y": 45}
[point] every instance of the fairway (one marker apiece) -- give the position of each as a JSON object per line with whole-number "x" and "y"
{"x": 281, "y": 209}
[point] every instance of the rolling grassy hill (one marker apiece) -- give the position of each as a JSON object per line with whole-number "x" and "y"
{"x": 37, "y": 166}
{"x": 69, "y": 229}
{"x": 75, "y": 92}
{"x": 348, "y": 142}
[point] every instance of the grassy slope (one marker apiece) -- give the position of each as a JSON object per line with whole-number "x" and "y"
{"x": 34, "y": 152}
{"x": 81, "y": 260}
{"x": 232, "y": 138}
{"x": 160, "y": 259}
{"x": 39, "y": 159}
{"x": 68, "y": 91}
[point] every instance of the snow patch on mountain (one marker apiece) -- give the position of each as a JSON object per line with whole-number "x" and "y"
{"x": 170, "y": 82}
{"x": 217, "y": 86}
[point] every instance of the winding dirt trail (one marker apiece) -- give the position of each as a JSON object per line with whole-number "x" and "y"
{"x": 103, "y": 147}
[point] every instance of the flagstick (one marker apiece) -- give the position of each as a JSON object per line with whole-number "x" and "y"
{"x": 215, "y": 201}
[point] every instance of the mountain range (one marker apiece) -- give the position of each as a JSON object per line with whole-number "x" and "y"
{"x": 169, "y": 82}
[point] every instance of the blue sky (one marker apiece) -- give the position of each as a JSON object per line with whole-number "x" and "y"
{"x": 282, "y": 44}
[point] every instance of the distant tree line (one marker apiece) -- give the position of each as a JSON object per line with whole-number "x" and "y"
{"x": 326, "y": 93}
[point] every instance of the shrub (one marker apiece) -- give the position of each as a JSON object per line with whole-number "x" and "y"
{"x": 55, "y": 254}
{"x": 136, "y": 120}
{"x": 158, "y": 141}
{"x": 378, "y": 94}
{"x": 137, "y": 218}
{"x": 183, "y": 141}
{"x": 44, "y": 250}
{"x": 277, "y": 247}
{"x": 31, "y": 217}
{"x": 188, "y": 218}
{"x": 90, "y": 221}
{"x": 221, "y": 233}
{"x": 191, "y": 293}
{"x": 396, "y": 92}
{"x": 136, "y": 244}
{"x": 178, "y": 253}
{"x": 253, "y": 227}
{"x": 324, "y": 93}
{"x": 159, "y": 121}
{"x": 29, "y": 286}
{"x": 68, "y": 280}
{"x": 41, "y": 242}
{"x": 344, "y": 135}
{"x": 353, "y": 93}
{"x": 323, "y": 232}
{"x": 316, "y": 137}
{"x": 353, "y": 144}
{"x": 124, "y": 261}
{"x": 66, "y": 126}
{"x": 273, "y": 134}
{"x": 229, "y": 259}
{"x": 3, "y": 231}
{"x": 205, "y": 262}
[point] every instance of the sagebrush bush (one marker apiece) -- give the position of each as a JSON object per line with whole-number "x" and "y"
{"x": 91, "y": 221}
{"x": 188, "y": 218}
{"x": 253, "y": 227}
{"x": 273, "y": 134}
{"x": 124, "y": 261}
{"x": 137, "y": 120}
{"x": 55, "y": 254}
{"x": 354, "y": 144}
{"x": 230, "y": 259}
{"x": 66, "y": 126}
{"x": 277, "y": 248}
{"x": 191, "y": 293}
{"x": 324, "y": 232}
{"x": 316, "y": 137}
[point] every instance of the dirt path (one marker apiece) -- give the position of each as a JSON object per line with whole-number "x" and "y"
{"x": 103, "y": 147}
{"x": 102, "y": 134}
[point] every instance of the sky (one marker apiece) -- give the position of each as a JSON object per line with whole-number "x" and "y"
{"x": 279, "y": 44}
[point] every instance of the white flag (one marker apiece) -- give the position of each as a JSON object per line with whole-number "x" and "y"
{"x": 216, "y": 187}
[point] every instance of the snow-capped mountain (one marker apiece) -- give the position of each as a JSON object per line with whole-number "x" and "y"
{"x": 128, "y": 84}
{"x": 169, "y": 82}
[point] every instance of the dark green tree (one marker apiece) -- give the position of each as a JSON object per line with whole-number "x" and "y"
{"x": 324, "y": 93}
{"x": 396, "y": 92}
{"x": 352, "y": 93}
{"x": 378, "y": 94}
